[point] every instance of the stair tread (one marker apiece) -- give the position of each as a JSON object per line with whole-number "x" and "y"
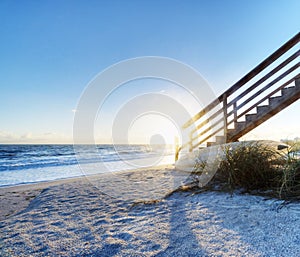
{"x": 220, "y": 139}
{"x": 263, "y": 106}
{"x": 275, "y": 97}
{"x": 297, "y": 83}
{"x": 239, "y": 125}
{"x": 261, "y": 110}
{"x": 250, "y": 117}
{"x": 288, "y": 90}
{"x": 208, "y": 144}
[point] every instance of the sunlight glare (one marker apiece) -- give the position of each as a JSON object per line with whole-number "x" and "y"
{"x": 153, "y": 128}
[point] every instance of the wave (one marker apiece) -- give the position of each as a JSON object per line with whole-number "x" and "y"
{"x": 21, "y": 157}
{"x": 32, "y": 164}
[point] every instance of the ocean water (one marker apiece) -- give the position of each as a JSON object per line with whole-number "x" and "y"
{"x": 22, "y": 164}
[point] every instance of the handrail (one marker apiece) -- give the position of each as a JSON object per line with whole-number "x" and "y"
{"x": 253, "y": 87}
{"x": 267, "y": 76}
{"x": 288, "y": 45}
{"x": 264, "y": 98}
{"x": 223, "y": 98}
{"x": 267, "y": 86}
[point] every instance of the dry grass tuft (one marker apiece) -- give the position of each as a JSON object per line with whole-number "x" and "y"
{"x": 259, "y": 169}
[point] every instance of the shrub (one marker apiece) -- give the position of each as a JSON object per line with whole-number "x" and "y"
{"x": 259, "y": 168}
{"x": 290, "y": 179}
{"x": 250, "y": 167}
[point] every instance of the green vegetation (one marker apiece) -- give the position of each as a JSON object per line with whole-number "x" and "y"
{"x": 258, "y": 169}
{"x": 290, "y": 177}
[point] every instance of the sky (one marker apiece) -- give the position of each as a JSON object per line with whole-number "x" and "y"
{"x": 51, "y": 50}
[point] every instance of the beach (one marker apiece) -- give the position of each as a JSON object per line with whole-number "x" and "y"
{"x": 127, "y": 214}
{"x": 150, "y": 129}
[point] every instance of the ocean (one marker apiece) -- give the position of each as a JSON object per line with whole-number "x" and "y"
{"x": 23, "y": 164}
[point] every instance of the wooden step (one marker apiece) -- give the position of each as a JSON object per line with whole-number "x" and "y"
{"x": 275, "y": 101}
{"x": 208, "y": 144}
{"x": 220, "y": 140}
{"x": 230, "y": 131}
{"x": 263, "y": 109}
{"x": 240, "y": 125}
{"x": 251, "y": 117}
{"x": 287, "y": 91}
{"x": 297, "y": 84}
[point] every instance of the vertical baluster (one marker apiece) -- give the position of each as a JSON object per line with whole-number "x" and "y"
{"x": 225, "y": 116}
{"x": 191, "y": 142}
{"x": 234, "y": 113}
{"x": 177, "y": 148}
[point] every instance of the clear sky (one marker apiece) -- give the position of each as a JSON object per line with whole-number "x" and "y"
{"x": 50, "y": 50}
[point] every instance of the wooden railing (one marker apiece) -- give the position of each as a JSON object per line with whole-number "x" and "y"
{"x": 229, "y": 107}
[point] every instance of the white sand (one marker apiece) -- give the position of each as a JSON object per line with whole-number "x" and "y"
{"x": 80, "y": 218}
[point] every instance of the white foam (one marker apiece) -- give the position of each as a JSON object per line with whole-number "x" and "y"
{"x": 43, "y": 174}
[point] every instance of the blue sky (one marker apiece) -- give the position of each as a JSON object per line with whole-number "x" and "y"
{"x": 50, "y": 50}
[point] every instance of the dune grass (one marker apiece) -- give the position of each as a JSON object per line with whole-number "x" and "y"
{"x": 290, "y": 177}
{"x": 258, "y": 169}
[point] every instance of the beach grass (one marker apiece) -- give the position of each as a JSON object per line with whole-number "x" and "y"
{"x": 259, "y": 169}
{"x": 290, "y": 177}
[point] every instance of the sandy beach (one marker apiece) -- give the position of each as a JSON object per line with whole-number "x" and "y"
{"x": 104, "y": 216}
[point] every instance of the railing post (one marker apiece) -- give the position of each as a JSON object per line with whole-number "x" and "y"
{"x": 234, "y": 112}
{"x": 225, "y": 116}
{"x": 177, "y": 148}
{"x": 191, "y": 143}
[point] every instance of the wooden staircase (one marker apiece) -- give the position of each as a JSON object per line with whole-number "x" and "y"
{"x": 266, "y": 90}
{"x": 277, "y": 103}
